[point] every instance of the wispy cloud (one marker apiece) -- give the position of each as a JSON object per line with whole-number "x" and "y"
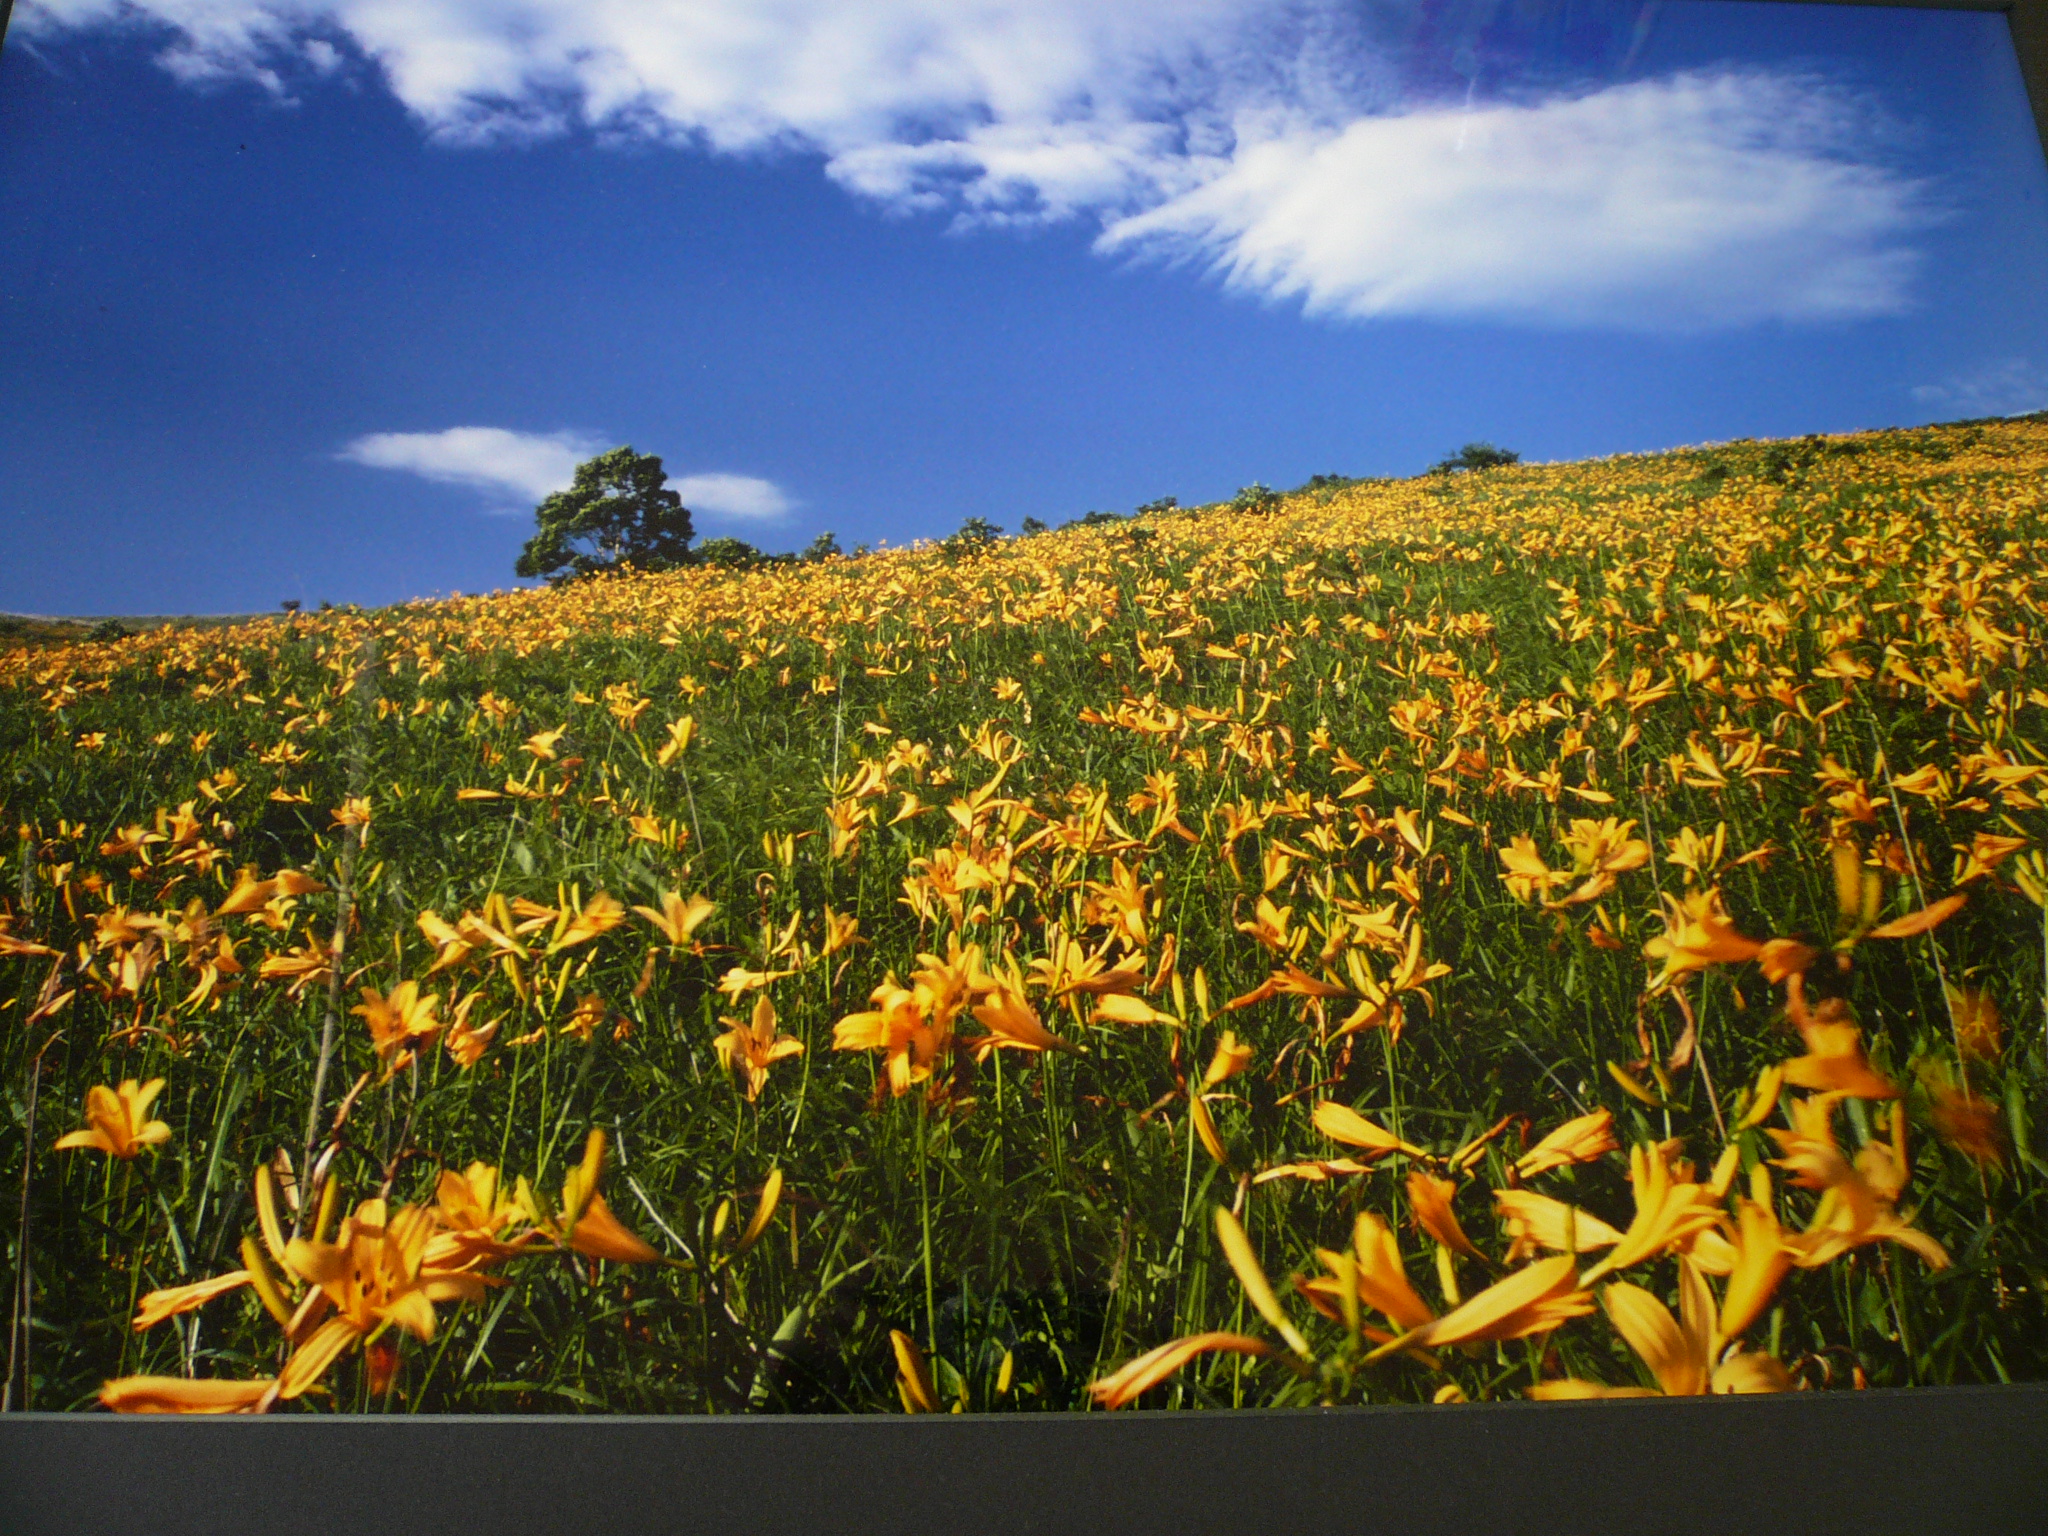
{"x": 523, "y": 465}
{"x": 527, "y": 467}
{"x": 1277, "y": 143}
{"x": 1679, "y": 203}
{"x": 2010, "y": 386}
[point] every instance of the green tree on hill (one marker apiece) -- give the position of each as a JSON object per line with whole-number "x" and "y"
{"x": 619, "y": 511}
{"x": 1476, "y": 456}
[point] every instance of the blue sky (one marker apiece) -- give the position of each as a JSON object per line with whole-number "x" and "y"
{"x": 314, "y": 298}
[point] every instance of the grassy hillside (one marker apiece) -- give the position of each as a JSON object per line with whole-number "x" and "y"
{"x": 862, "y": 985}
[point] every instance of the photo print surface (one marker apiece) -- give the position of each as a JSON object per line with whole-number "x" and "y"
{"x": 1019, "y": 707}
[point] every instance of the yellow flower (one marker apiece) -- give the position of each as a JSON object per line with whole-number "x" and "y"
{"x": 1601, "y": 850}
{"x": 372, "y": 1275}
{"x": 1834, "y": 1060}
{"x": 676, "y": 919}
{"x": 1858, "y": 1201}
{"x": 120, "y": 1124}
{"x": 1377, "y": 1276}
{"x": 1679, "y": 1351}
{"x": 1237, "y": 1248}
{"x": 542, "y": 743}
{"x": 1139, "y": 1376}
{"x": 178, "y": 1394}
{"x": 590, "y": 1011}
{"x": 398, "y": 1016}
{"x": 1123, "y": 1008}
{"x": 1670, "y": 1212}
{"x": 680, "y": 734}
{"x": 1430, "y": 1198}
{"x": 756, "y": 1046}
{"x": 1532, "y": 1300}
{"x": 353, "y": 815}
{"x": 897, "y": 1027}
{"x": 602, "y": 913}
{"x": 1759, "y": 1260}
{"x": 585, "y": 1223}
{"x": 1013, "y": 1023}
{"x": 467, "y": 1045}
{"x": 913, "y": 1376}
{"x": 1343, "y": 1124}
{"x": 1537, "y": 1221}
{"x": 1576, "y": 1141}
{"x": 172, "y": 1301}
{"x": 1697, "y": 933}
{"x": 1527, "y": 875}
{"x": 1230, "y": 1059}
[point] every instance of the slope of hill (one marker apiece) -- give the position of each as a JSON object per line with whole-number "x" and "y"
{"x": 1526, "y": 908}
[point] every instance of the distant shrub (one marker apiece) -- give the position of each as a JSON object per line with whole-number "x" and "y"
{"x": 1093, "y": 519}
{"x": 823, "y": 547}
{"x": 1256, "y": 498}
{"x": 1031, "y": 526}
{"x": 108, "y": 629}
{"x": 731, "y": 554}
{"x": 1476, "y": 456}
{"x": 971, "y": 538}
{"x": 1162, "y": 505}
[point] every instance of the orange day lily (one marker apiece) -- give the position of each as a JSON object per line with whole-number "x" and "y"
{"x": 1537, "y": 1221}
{"x": 1670, "y": 1212}
{"x": 399, "y": 1016}
{"x": 585, "y": 1222}
{"x": 1576, "y": 1141}
{"x": 1532, "y": 1300}
{"x": 898, "y": 1028}
{"x": 756, "y": 1046}
{"x": 120, "y": 1124}
{"x": 1230, "y": 1059}
{"x": 1679, "y": 1352}
{"x": 1834, "y": 1060}
{"x": 1430, "y": 1198}
{"x": 177, "y": 1394}
{"x": 1012, "y": 1022}
{"x": 1138, "y": 1377}
{"x": 1346, "y": 1125}
{"x": 1697, "y": 933}
{"x": 1376, "y": 1276}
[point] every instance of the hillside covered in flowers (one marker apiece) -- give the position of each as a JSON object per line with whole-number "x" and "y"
{"x": 1544, "y": 932}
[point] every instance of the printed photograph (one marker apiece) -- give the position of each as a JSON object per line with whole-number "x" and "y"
{"x": 1020, "y": 706}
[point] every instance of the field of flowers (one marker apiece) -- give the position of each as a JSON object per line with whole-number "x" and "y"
{"x": 1554, "y": 931}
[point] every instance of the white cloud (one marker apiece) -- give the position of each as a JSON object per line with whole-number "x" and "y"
{"x": 740, "y": 497}
{"x": 1693, "y": 201}
{"x": 2011, "y": 386}
{"x": 1270, "y": 141}
{"x": 527, "y": 465}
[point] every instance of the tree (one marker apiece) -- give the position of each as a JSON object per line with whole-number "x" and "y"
{"x": 972, "y": 537}
{"x": 1476, "y": 456}
{"x": 1257, "y": 497}
{"x": 618, "y": 512}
